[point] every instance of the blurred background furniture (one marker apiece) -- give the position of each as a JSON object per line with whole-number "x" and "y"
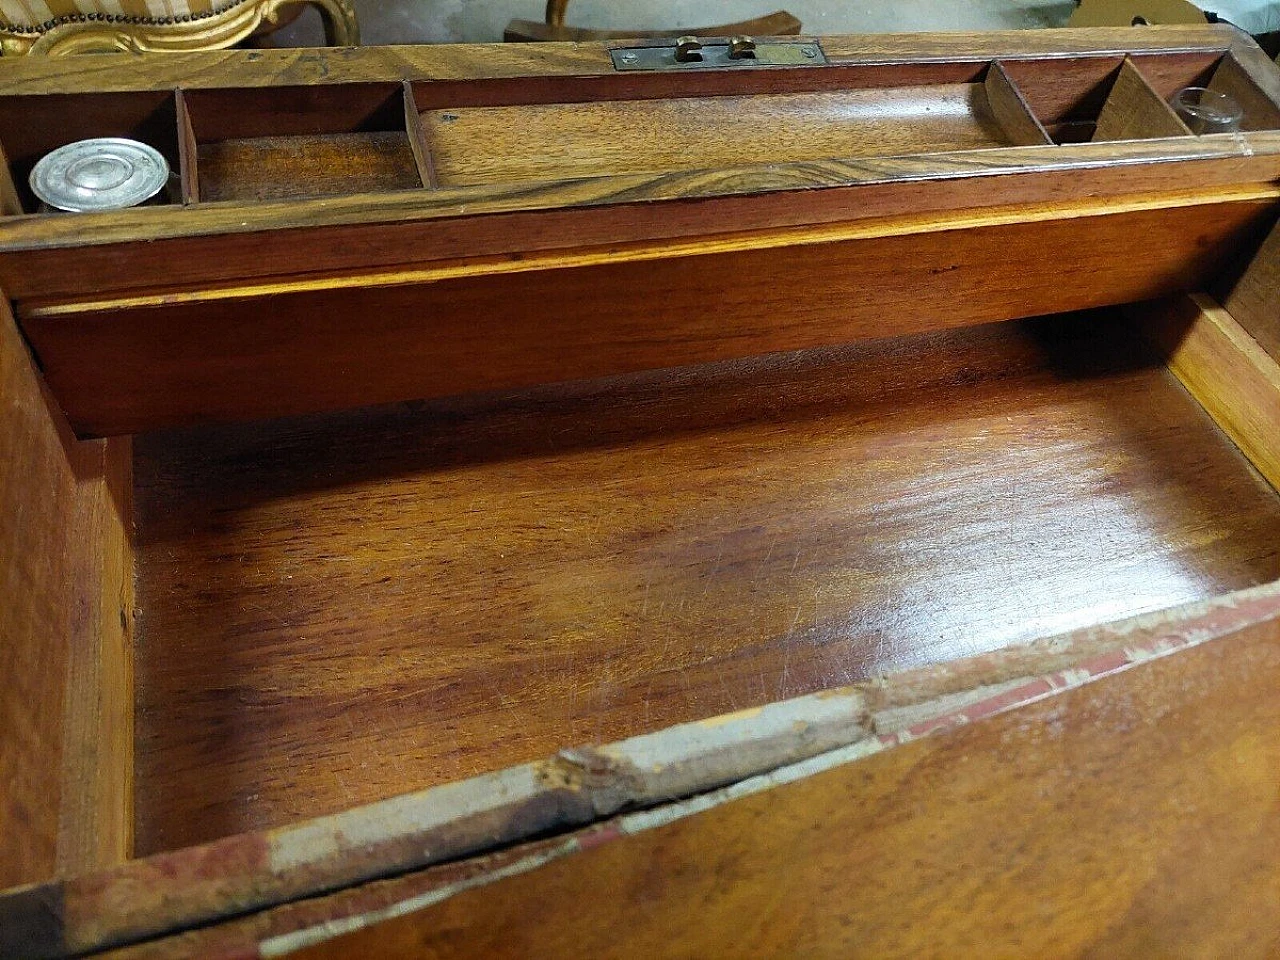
{"x": 778, "y": 23}
{"x": 58, "y": 27}
{"x": 484, "y": 21}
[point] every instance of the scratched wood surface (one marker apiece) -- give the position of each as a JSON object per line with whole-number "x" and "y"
{"x": 339, "y": 609}
{"x": 65, "y": 605}
{"x": 1136, "y": 816}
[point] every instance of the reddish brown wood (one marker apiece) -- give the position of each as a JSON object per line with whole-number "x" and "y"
{"x": 131, "y": 369}
{"x": 418, "y": 232}
{"x": 65, "y": 621}
{"x": 188, "y": 152}
{"x": 606, "y": 138}
{"x": 338, "y": 610}
{"x": 270, "y": 168}
{"x": 1084, "y": 847}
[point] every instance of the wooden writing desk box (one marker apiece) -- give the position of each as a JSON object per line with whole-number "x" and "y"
{"x": 872, "y": 441}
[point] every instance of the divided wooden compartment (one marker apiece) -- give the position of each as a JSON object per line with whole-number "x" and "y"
{"x": 250, "y": 144}
{"x": 405, "y": 499}
{"x": 296, "y": 142}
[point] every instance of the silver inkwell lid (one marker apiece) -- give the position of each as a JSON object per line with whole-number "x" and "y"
{"x": 106, "y": 173}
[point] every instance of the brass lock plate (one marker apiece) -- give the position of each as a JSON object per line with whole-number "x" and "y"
{"x": 715, "y": 54}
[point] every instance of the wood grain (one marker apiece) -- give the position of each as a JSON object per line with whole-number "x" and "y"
{"x": 1260, "y": 68}
{"x": 336, "y": 610}
{"x": 300, "y": 67}
{"x": 1063, "y": 91}
{"x": 509, "y": 144}
{"x": 422, "y": 153}
{"x": 220, "y": 244}
{"x": 128, "y": 368}
{"x": 1226, "y": 370}
{"x": 227, "y": 92}
{"x": 295, "y": 111}
{"x": 1067, "y": 96}
{"x": 1260, "y": 113}
{"x": 1252, "y": 298}
{"x": 271, "y": 168}
{"x": 216, "y": 244}
{"x": 1011, "y": 111}
{"x": 188, "y": 152}
{"x": 1132, "y": 817}
{"x": 66, "y": 578}
{"x": 1133, "y": 111}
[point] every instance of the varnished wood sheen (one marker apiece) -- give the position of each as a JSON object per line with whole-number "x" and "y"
{"x": 1252, "y": 298}
{"x": 66, "y": 580}
{"x": 328, "y": 93}
{"x": 373, "y": 231}
{"x": 1226, "y": 370}
{"x": 701, "y": 390}
{"x": 120, "y": 369}
{"x": 269, "y": 168}
{"x": 560, "y": 141}
{"x": 1133, "y": 817}
{"x": 1259, "y": 113}
{"x": 302, "y": 67}
{"x": 1011, "y": 111}
{"x": 1133, "y": 111}
{"x": 338, "y": 610}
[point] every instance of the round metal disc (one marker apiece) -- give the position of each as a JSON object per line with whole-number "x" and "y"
{"x": 107, "y": 173}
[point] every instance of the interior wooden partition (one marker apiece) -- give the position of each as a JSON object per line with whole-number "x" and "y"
{"x": 499, "y": 500}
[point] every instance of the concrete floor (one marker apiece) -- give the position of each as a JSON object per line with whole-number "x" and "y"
{"x": 478, "y": 21}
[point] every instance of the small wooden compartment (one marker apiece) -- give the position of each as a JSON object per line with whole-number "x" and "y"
{"x": 31, "y": 127}
{"x": 501, "y": 464}
{"x": 294, "y": 142}
{"x": 1127, "y": 98}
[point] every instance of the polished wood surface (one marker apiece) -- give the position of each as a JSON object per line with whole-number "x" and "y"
{"x": 221, "y": 246}
{"x": 1259, "y": 112}
{"x": 1134, "y": 111}
{"x": 206, "y": 243}
{"x": 448, "y": 62}
{"x": 66, "y": 740}
{"x": 1011, "y": 110}
{"x": 1133, "y": 817}
{"x": 269, "y": 168}
{"x": 1251, "y": 297}
{"x": 171, "y": 359}
{"x": 1070, "y": 96}
{"x": 1225, "y": 369}
{"x": 339, "y": 609}
{"x": 481, "y": 145}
